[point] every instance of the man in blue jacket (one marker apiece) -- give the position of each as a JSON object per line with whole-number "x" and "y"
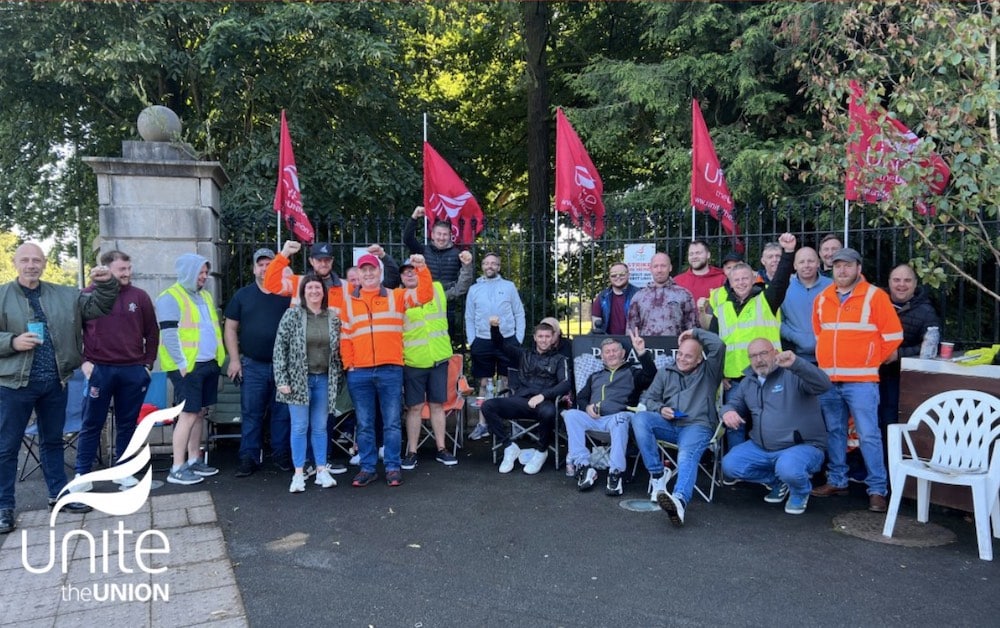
{"x": 788, "y": 436}
{"x": 609, "y": 312}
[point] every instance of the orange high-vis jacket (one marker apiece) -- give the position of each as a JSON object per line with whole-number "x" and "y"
{"x": 279, "y": 279}
{"x": 372, "y": 330}
{"x": 854, "y": 337}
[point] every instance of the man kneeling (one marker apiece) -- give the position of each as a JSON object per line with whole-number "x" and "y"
{"x": 681, "y": 404}
{"x": 602, "y": 407}
{"x": 787, "y": 436}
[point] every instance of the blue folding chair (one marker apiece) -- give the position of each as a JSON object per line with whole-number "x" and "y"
{"x": 76, "y": 389}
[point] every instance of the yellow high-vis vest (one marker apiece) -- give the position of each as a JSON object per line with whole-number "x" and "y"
{"x": 188, "y": 329}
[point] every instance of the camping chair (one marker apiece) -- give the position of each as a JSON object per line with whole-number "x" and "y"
{"x": 965, "y": 425}
{"x": 223, "y": 416}
{"x": 156, "y": 399}
{"x": 454, "y": 407}
{"x": 76, "y": 388}
{"x": 526, "y": 427}
{"x": 340, "y": 422}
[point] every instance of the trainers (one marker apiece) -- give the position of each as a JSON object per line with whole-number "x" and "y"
{"x": 659, "y": 485}
{"x": 777, "y": 494}
{"x": 614, "y": 486}
{"x": 126, "y": 482}
{"x": 570, "y": 470}
{"x": 355, "y": 460}
{"x": 525, "y": 456}
{"x": 284, "y": 463}
{"x": 538, "y": 458}
{"x": 7, "y": 521}
{"x": 298, "y": 484}
{"x": 728, "y": 481}
{"x": 82, "y": 488}
{"x": 200, "y": 468}
{"x": 673, "y": 506}
{"x": 444, "y": 457}
{"x": 246, "y": 468}
{"x": 336, "y": 468}
{"x": 480, "y": 431}
{"x": 184, "y": 476}
{"x": 797, "y": 505}
{"x": 364, "y": 478}
{"x": 510, "y": 455}
{"x": 73, "y": 507}
{"x": 586, "y": 477}
{"x": 409, "y": 461}
{"x": 324, "y": 479}
{"x": 394, "y": 477}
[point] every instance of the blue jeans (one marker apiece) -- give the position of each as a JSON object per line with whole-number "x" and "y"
{"x": 736, "y": 436}
{"x": 579, "y": 422}
{"x": 793, "y": 466}
{"x": 691, "y": 441}
{"x": 126, "y": 385}
{"x": 256, "y": 396}
{"x": 48, "y": 400}
{"x": 310, "y": 419}
{"x": 381, "y": 386}
{"x": 860, "y": 400}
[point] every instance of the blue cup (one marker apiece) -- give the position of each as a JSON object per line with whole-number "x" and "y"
{"x": 38, "y": 329}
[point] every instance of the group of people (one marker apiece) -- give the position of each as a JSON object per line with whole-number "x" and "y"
{"x": 387, "y": 331}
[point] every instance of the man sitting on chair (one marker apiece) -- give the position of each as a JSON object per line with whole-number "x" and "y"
{"x": 788, "y": 435}
{"x": 544, "y": 377}
{"x": 680, "y": 409}
{"x": 602, "y": 407}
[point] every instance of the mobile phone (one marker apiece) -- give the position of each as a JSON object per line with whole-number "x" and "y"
{"x": 680, "y": 414}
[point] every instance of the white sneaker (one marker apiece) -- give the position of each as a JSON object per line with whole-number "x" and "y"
{"x": 126, "y": 482}
{"x": 525, "y": 456}
{"x": 510, "y": 456}
{"x": 673, "y": 506}
{"x": 659, "y": 485}
{"x": 324, "y": 479}
{"x": 298, "y": 484}
{"x": 355, "y": 460}
{"x": 86, "y": 487}
{"x": 538, "y": 458}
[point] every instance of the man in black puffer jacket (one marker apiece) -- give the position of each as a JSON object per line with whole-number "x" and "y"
{"x": 442, "y": 258}
{"x": 916, "y": 313}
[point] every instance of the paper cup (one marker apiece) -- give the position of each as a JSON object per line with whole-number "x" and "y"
{"x": 38, "y": 329}
{"x": 947, "y": 349}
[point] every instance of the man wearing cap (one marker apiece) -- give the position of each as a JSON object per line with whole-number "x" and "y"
{"x": 426, "y": 353}
{"x": 279, "y": 278}
{"x": 252, "y": 318}
{"x": 856, "y": 329}
{"x": 371, "y": 346}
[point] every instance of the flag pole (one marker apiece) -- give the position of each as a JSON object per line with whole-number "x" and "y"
{"x": 425, "y": 165}
{"x": 555, "y": 257}
{"x": 692, "y": 223}
{"x": 847, "y": 207}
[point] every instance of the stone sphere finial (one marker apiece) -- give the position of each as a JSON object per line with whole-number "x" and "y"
{"x": 159, "y": 124}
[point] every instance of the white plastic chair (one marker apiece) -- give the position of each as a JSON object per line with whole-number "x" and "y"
{"x": 965, "y": 424}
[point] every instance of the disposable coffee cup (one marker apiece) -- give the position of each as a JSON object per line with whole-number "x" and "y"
{"x": 38, "y": 329}
{"x": 946, "y": 351}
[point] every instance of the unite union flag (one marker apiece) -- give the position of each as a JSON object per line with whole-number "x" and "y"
{"x": 287, "y": 196}
{"x": 447, "y": 198}
{"x": 709, "y": 192}
{"x": 579, "y": 189}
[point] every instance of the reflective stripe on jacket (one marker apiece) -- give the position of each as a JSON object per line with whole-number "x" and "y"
{"x": 425, "y": 332}
{"x": 755, "y": 320}
{"x": 854, "y": 337}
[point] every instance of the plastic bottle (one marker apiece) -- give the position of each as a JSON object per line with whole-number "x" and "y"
{"x": 929, "y": 346}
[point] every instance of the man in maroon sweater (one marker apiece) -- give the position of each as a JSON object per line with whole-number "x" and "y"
{"x": 119, "y": 350}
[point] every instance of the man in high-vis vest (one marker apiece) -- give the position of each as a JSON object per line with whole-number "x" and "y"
{"x": 371, "y": 347}
{"x": 744, "y": 310}
{"x": 856, "y": 329}
{"x": 191, "y": 352}
{"x": 426, "y": 353}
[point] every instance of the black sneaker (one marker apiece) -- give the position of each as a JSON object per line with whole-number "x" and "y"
{"x": 409, "y": 461}
{"x": 444, "y": 457}
{"x": 585, "y": 478}
{"x": 246, "y": 468}
{"x": 73, "y": 507}
{"x": 614, "y": 486}
{"x": 336, "y": 468}
{"x": 7, "y": 521}
{"x": 283, "y": 463}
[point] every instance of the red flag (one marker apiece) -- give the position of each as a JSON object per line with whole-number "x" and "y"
{"x": 287, "y": 197}
{"x": 579, "y": 189}
{"x": 884, "y": 146}
{"x": 709, "y": 192}
{"x": 447, "y": 198}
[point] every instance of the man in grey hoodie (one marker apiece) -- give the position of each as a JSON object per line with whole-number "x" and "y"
{"x": 191, "y": 352}
{"x": 679, "y": 407}
{"x": 788, "y": 436}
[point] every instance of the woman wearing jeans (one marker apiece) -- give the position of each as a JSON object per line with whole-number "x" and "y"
{"x": 307, "y": 371}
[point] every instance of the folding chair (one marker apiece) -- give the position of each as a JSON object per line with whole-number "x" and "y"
{"x": 526, "y": 427}
{"x": 340, "y": 423}
{"x": 454, "y": 406}
{"x": 709, "y": 471}
{"x": 223, "y": 416}
{"x": 76, "y": 388}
